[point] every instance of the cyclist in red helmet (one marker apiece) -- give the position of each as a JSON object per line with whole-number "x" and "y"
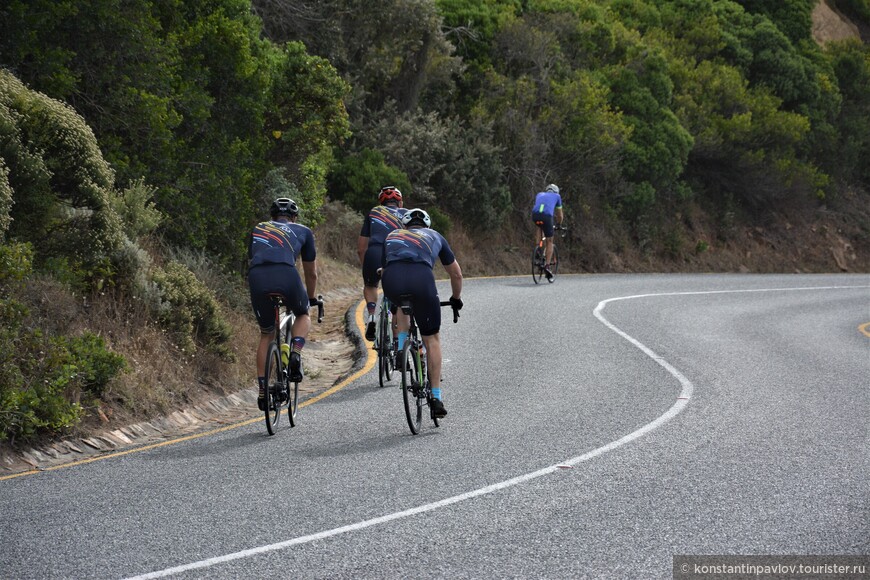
{"x": 380, "y": 221}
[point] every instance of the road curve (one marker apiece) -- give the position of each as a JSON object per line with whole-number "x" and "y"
{"x": 597, "y": 427}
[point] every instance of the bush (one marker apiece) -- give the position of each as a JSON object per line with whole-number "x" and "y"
{"x": 357, "y": 178}
{"x": 42, "y": 380}
{"x": 61, "y": 185}
{"x": 190, "y": 311}
{"x": 137, "y": 210}
{"x": 88, "y": 358}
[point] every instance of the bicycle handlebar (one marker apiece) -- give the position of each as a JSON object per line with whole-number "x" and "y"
{"x": 455, "y": 312}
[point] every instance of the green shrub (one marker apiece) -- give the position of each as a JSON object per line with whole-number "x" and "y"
{"x": 15, "y": 265}
{"x": 61, "y": 185}
{"x": 357, "y": 178}
{"x": 138, "y": 213}
{"x": 87, "y": 356}
{"x": 190, "y": 311}
{"x": 43, "y": 380}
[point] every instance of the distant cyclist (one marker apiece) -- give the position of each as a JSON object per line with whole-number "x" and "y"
{"x": 409, "y": 259}
{"x": 273, "y": 249}
{"x": 380, "y": 221}
{"x": 546, "y": 214}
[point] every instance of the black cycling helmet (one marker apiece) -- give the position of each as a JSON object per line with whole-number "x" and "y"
{"x": 284, "y": 206}
{"x": 416, "y": 217}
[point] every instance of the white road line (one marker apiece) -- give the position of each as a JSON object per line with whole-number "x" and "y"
{"x": 681, "y": 402}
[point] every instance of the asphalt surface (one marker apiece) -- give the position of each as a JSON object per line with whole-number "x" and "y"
{"x": 586, "y": 437}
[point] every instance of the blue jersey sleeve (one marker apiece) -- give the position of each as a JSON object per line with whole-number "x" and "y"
{"x": 308, "y": 252}
{"x": 366, "y": 230}
{"x": 445, "y": 254}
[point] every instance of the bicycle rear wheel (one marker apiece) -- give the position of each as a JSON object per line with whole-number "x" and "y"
{"x": 274, "y": 384}
{"x": 412, "y": 388}
{"x": 554, "y": 265}
{"x": 538, "y": 264}
{"x": 385, "y": 345}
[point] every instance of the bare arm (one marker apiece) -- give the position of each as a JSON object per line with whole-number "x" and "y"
{"x": 310, "y": 271}
{"x": 455, "y": 272}
{"x": 557, "y": 213}
{"x": 362, "y": 244}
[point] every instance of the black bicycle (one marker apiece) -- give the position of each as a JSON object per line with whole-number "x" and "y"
{"x": 416, "y": 390}
{"x": 281, "y": 392}
{"x": 384, "y": 344}
{"x": 539, "y": 257}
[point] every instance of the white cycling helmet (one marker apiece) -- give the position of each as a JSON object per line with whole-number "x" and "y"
{"x": 553, "y": 187}
{"x": 416, "y": 215}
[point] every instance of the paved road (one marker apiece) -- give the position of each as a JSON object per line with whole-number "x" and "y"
{"x": 597, "y": 426}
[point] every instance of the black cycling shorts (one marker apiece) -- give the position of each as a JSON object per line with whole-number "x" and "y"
{"x": 418, "y": 280}
{"x": 546, "y": 223}
{"x": 373, "y": 260}
{"x": 281, "y": 279}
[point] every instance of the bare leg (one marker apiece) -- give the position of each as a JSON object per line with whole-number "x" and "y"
{"x": 370, "y": 293}
{"x": 265, "y": 339}
{"x": 433, "y": 359}
{"x": 301, "y": 326}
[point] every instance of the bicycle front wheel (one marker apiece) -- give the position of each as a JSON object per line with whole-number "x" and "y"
{"x": 554, "y": 265}
{"x": 412, "y": 387}
{"x": 538, "y": 264}
{"x": 274, "y": 384}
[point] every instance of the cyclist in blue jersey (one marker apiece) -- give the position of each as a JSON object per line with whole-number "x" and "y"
{"x": 409, "y": 258}
{"x": 546, "y": 214}
{"x": 273, "y": 248}
{"x": 380, "y": 221}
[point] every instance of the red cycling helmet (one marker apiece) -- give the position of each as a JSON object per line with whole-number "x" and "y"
{"x": 389, "y": 193}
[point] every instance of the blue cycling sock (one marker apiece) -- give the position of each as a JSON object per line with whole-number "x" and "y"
{"x": 371, "y": 306}
{"x": 436, "y": 394}
{"x": 403, "y": 336}
{"x": 298, "y": 343}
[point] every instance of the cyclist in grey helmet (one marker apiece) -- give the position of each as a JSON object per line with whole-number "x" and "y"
{"x": 546, "y": 214}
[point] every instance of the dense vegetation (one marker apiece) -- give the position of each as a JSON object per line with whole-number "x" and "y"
{"x": 130, "y": 128}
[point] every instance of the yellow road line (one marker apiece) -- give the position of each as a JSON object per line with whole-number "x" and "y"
{"x": 865, "y": 329}
{"x": 369, "y": 364}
